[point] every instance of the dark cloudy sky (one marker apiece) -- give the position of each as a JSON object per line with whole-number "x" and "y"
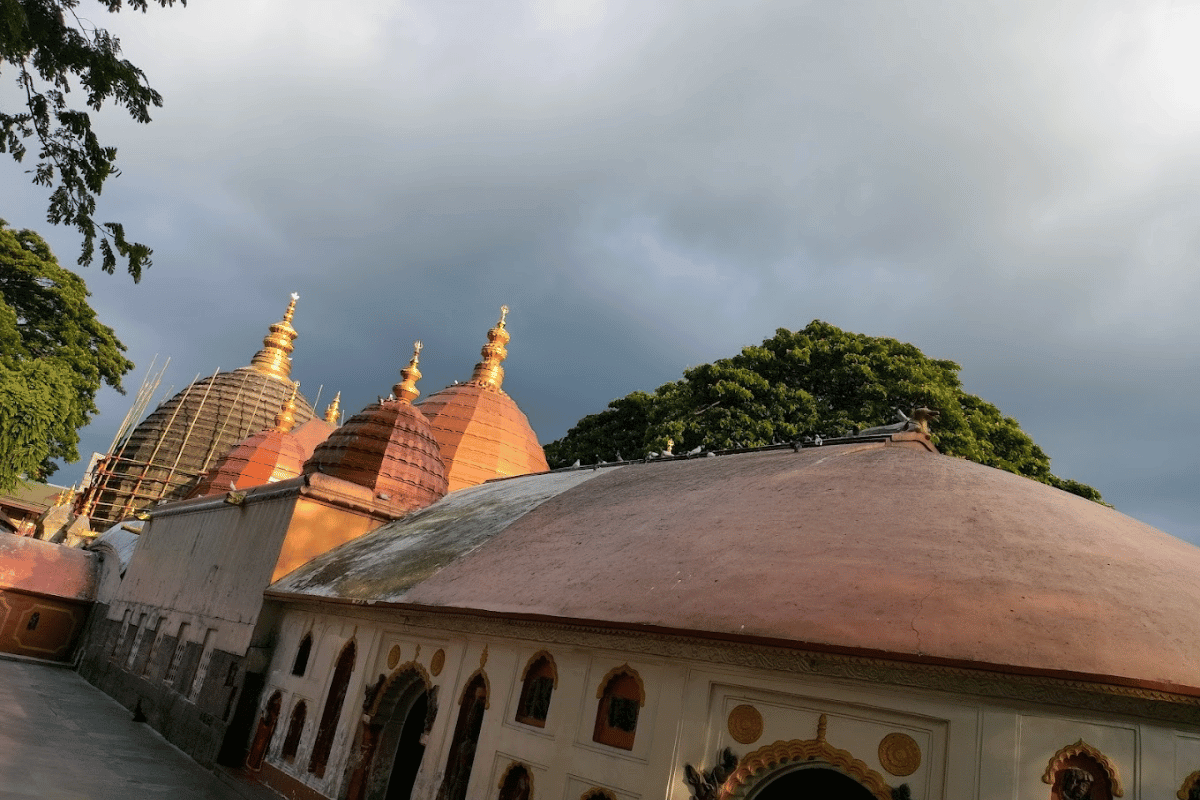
{"x": 1011, "y": 185}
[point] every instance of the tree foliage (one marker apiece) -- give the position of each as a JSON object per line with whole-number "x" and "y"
{"x": 819, "y": 381}
{"x": 50, "y": 47}
{"x": 54, "y": 354}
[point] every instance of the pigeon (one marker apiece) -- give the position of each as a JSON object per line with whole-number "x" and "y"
{"x": 576, "y": 464}
{"x": 619, "y": 456}
{"x": 817, "y": 441}
{"x": 695, "y": 451}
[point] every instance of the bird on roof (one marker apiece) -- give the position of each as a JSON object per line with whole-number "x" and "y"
{"x": 619, "y": 456}
{"x": 576, "y": 464}
{"x": 817, "y": 441}
{"x": 695, "y": 451}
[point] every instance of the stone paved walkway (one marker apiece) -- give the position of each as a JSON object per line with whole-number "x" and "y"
{"x": 63, "y": 739}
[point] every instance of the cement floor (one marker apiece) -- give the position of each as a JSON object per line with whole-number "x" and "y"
{"x": 63, "y": 739}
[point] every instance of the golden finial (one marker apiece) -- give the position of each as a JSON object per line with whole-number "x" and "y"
{"x": 285, "y": 420}
{"x": 821, "y": 724}
{"x": 334, "y": 409}
{"x": 489, "y": 373}
{"x": 406, "y": 389}
{"x": 274, "y": 359}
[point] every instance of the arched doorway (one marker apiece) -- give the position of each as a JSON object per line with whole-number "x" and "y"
{"x": 812, "y": 783}
{"x": 409, "y": 750}
{"x": 391, "y": 741}
{"x": 265, "y": 732}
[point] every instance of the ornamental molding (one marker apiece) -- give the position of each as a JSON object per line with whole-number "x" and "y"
{"x": 1082, "y": 748}
{"x": 624, "y": 669}
{"x": 766, "y": 762}
{"x": 1077, "y": 694}
{"x": 533, "y": 659}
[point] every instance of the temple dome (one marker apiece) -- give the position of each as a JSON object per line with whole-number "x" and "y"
{"x": 876, "y": 549}
{"x": 387, "y": 447}
{"x": 184, "y": 437}
{"x": 481, "y": 432}
{"x": 316, "y": 430}
{"x": 266, "y": 457}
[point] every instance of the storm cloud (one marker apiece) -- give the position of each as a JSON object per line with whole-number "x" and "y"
{"x": 1014, "y": 186}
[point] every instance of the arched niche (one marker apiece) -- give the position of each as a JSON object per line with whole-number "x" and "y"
{"x": 334, "y": 700}
{"x": 621, "y": 696}
{"x": 516, "y": 783}
{"x": 460, "y": 761}
{"x": 539, "y": 679}
{"x": 264, "y": 732}
{"x": 1063, "y": 771}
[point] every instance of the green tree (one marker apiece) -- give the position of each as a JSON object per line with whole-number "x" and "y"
{"x": 51, "y": 48}
{"x": 819, "y": 381}
{"x": 54, "y": 354}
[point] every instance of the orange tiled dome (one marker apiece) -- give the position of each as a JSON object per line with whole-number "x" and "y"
{"x": 479, "y": 428}
{"x": 266, "y": 457}
{"x": 389, "y": 448}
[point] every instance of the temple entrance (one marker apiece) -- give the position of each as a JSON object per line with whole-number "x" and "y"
{"x": 409, "y": 751}
{"x": 814, "y": 783}
{"x": 391, "y": 742}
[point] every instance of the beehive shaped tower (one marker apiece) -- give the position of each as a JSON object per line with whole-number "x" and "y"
{"x": 389, "y": 448}
{"x": 480, "y": 430}
{"x": 265, "y": 457}
{"x": 166, "y": 453}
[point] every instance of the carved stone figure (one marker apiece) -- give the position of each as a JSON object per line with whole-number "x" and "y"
{"x": 706, "y": 784}
{"x": 1075, "y": 783}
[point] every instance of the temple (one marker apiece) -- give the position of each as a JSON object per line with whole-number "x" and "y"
{"x": 164, "y": 456}
{"x": 410, "y": 604}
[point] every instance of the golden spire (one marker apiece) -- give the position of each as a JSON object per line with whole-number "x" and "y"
{"x": 406, "y": 390}
{"x": 333, "y": 409}
{"x": 285, "y": 420}
{"x": 489, "y": 373}
{"x": 277, "y": 346}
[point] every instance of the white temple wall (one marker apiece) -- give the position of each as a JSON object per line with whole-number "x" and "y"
{"x": 969, "y": 747}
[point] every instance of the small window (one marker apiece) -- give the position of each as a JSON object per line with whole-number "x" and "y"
{"x": 291, "y": 741}
{"x": 301, "y": 663}
{"x": 540, "y": 680}
{"x": 621, "y": 699}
